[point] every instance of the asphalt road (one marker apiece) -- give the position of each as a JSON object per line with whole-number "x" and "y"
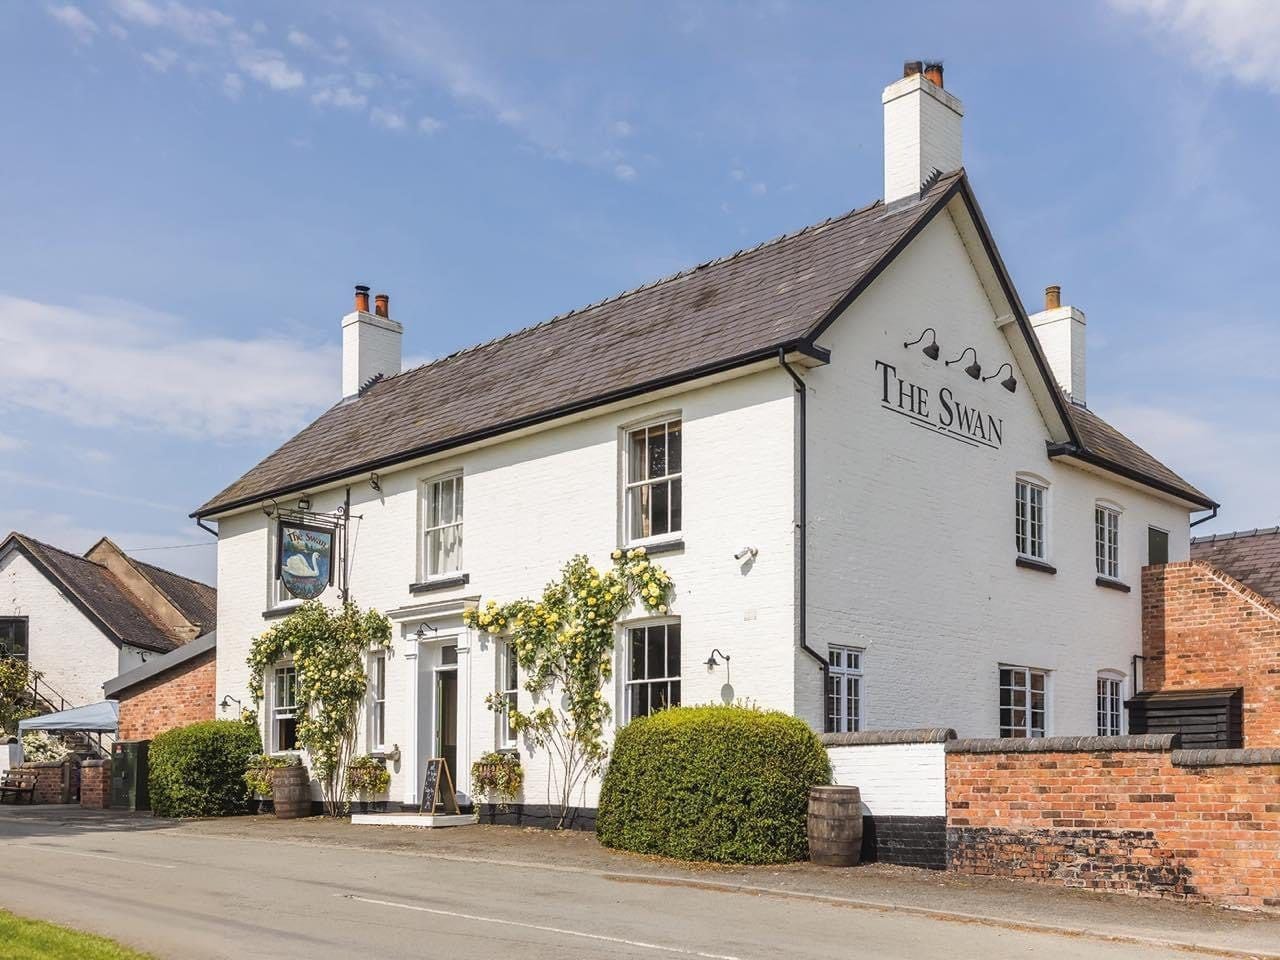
{"x": 184, "y": 895}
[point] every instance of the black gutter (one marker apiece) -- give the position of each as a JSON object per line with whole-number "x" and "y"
{"x": 802, "y": 524}
{"x": 205, "y": 527}
{"x": 1120, "y": 469}
{"x": 803, "y": 346}
{"x": 1212, "y": 516}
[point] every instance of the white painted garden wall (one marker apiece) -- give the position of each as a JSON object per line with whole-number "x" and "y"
{"x": 894, "y": 779}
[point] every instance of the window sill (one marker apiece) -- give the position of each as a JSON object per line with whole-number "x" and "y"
{"x": 657, "y": 548}
{"x": 440, "y": 583}
{"x": 281, "y": 611}
{"x": 1112, "y": 584}
{"x": 1029, "y": 563}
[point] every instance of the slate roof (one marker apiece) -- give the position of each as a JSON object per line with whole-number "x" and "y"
{"x": 719, "y": 315}
{"x": 1107, "y": 443}
{"x": 98, "y": 592}
{"x": 1251, "y": 556}
{"x": 197, "y": 601}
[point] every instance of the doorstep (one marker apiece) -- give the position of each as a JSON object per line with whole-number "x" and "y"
{"x": 412, "y": 819}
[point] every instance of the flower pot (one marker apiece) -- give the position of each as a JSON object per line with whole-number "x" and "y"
{"x": 291, "y": 792}
{"x": 835, "y": 826}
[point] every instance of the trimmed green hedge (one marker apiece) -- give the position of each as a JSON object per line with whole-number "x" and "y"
{"x": 198, "y": 770}
{"x": 721, "y": 783}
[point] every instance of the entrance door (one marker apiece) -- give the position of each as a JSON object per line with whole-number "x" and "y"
{"x": 446, "y": 741}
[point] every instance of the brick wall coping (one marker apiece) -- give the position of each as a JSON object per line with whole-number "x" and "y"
{"x": 41, "y": 764}
{"x": 867, "y": 738}
{"x": 1248, "y": 757}
{"x": 1156, "y": 743}
{"x": 95, "y": 763}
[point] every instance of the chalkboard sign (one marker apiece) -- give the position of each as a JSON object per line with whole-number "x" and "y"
{"x": 437, "y": 788}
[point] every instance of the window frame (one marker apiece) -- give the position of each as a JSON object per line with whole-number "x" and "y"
{"x": 279, "y": 712}
{"x": 1151, "y": 527}
{"x": 1028, "y": 728}
{"x": 378, "y": 701}
{"x": 425, "y": 488}
{"x": 629, "y": 681}
{"x": 1115, "y": 707}
{"x": 673, "y": 480}
{"x": 1107, "y": 540}
{"x": 1031, "y": 483}
{"x": 850, "y": 676}
{"x": 507, "y": 686}
{"x": 26, "y": 637}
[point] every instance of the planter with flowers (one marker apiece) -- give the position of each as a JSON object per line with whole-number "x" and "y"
{"x": 368, "y": 777}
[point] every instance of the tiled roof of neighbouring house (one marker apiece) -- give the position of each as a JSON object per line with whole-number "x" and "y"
{"x": 720, "y": 315}
{"x": 197, "y": 601}
{"x": 98, "y": 592}
{"x": 1250, "y": 556}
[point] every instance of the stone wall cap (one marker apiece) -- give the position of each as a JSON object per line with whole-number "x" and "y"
{"x": 95, "y": 763}
{"x": 1248, "y": 757}
{"x": 868, "y": 738}
{"x": 1152, "y": 742}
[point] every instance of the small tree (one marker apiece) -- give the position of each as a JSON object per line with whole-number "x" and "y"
{"x": 328, "y": 649}
{"x": 16, "y": 701}
{"x": 564, "y": 643}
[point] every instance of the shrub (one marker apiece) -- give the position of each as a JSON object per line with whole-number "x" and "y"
{"x": 728, "y": 784}
{"x": 198, "y": 770}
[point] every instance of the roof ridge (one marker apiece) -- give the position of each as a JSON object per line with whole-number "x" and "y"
{"x": 66, "y": 553}
{"x": 1237, "y": 534}
{"x": 172, "y": 573}
{"x": 669, "y": 278}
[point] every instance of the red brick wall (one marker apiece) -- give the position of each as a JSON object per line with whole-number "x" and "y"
{"x": 49, "y": 783}
{"x": 1201, "y": 628}
{"x": 1142, "y": 822}
{"x": 95, "y": 784}
{"x": 172, "y": 699}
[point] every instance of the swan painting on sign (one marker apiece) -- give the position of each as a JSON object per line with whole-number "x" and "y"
{"x": 305, "y": 564}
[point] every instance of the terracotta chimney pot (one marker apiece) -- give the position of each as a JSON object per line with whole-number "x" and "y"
{"x": 362, "y": 298}
{"x": 933, "y": 73}
{"x": 381, "y": 305}
{"x": 1052, "y": 297}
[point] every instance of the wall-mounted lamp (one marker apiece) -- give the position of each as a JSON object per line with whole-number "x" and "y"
{"x": 421, "y": 632}
{"x": 375, "y": 483}
{"x": 304, "y": 503}
{"x": 931, "y": 349}
{"x": 1009, "y": 383}
{"x": 745, "y": 552}
{"x": 974, "y": 369}
{"x": 227, "y": 700}
{"x": 269, "y": 507}
{"x": 713, "y": 662}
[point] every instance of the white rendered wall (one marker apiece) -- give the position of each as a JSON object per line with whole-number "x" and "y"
{"x": 912, "y": 534}
{"x": 533, "y": 502}
{"x": 894, "y": 779}
{"x": 1061, "y": 332}
{"x": 74, "y": 656}
{"x": 370, "y": 345}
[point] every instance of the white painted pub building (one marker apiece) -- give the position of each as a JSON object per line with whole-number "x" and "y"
{"x": 873, "y": 477}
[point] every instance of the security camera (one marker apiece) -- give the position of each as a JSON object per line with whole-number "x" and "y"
{"x": 746, "y": 552}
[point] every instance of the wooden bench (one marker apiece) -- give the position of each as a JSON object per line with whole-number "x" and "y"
{"x": 18, "y": 783}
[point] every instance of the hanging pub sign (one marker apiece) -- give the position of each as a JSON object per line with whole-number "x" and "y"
{"x": 305, "y": 561}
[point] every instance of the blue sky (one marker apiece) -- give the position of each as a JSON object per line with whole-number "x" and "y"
{"x": 192, "y": 190}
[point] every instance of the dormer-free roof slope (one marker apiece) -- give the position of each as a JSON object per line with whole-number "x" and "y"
{"x": 1250, "y": 556}
{"x": 718, "y": 316}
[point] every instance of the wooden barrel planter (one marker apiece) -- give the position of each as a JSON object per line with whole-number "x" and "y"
{"x": 835, "y": 826}
{"x": 291, "y": 792}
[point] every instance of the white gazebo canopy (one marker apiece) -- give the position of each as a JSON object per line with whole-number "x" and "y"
{"x": 103, "y": 717}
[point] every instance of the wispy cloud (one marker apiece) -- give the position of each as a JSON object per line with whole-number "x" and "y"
{"x": 80, "y": 24}
{"x": 387, "y": 119}
{"x": 429, "y": 125}
{"x": 160, "y": 60}
{"x": 1236, "y": 38}
{"x": 111, "y": 363}
{"x": 8, "y": 443}
{"x": 335, "y": 92}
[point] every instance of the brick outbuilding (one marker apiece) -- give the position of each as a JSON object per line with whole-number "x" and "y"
{"x": 167, "y": 692}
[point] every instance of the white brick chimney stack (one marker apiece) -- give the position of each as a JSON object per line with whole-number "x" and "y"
{"x": 370, "y": 343}
{"x": 921, "y": 130}
{"x": 1061, "y": 333}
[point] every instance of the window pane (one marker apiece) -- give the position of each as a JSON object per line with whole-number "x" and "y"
{"x": 674, "y": 693}
{"x": 658, "y": 451}
{"x": 287, "y": 734}
{"x": 638, "y": 508}
{"x": 457, "y": 499}
{"x": 660, "y": 522}
{"x": 637, "y": 654}
{"x": 636, "y": 456}
{"x": 677, "y": 508}
{"x": 449, "y": 654}
{"x": 674, "y": 442}
{"x": 656, "y": 651}
{"x": 673, "y": 650}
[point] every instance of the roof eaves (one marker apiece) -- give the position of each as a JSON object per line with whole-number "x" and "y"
{"x": 804, "y": 346}
{"x": 1086, "y": 455}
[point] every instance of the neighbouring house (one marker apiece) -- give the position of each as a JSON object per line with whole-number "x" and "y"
{"x": 1211, "y": 642}
{"x": 171, "y": 690}
{"x": 874, "y": 478}
{"x": 82, "y": 620}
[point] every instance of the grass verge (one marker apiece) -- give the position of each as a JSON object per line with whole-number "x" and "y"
{"x": 23, "y": 939}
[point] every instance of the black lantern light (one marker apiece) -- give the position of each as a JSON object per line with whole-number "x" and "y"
{"x": 930, "y": 349}
{"x": 1010, "y": 383}
{"x": 974, "y": 369}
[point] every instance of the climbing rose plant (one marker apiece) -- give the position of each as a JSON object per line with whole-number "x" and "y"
{"x": 564, "y": 644}
{"x": 328, "y": 648}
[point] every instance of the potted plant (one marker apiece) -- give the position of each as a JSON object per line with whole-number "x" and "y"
{"x": 259, "y": 776}
{"x": 496, "y": 778}
{"x": 368, "y": 777}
